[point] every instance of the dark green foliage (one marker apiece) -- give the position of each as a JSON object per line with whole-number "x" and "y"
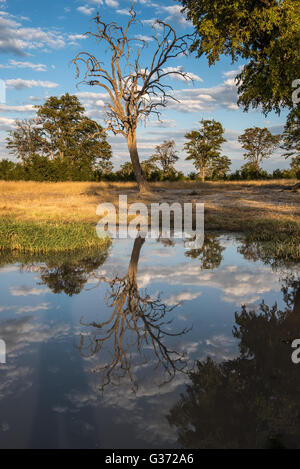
{"x": 203, "y": 148}
{"x": 41, "y": 169}
{"x": 265, "y": 33}
{"x": 252, "y": 400}
{"x": 166, "y": 156}
{"x": 61, "y": 144}
{"x": 210, "y": 254}
{"x": 291, "y": 138}
{"x": 258, "y": 144}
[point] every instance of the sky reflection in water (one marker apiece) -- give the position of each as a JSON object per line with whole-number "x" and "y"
{"x": 98, "y": 347}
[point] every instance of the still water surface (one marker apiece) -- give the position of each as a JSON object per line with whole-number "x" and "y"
{"x": 99, "y": 347}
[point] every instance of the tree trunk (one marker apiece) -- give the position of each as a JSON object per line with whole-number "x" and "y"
{"x": 202, "y": 174}
{"x": 138, "y": 172}
{"x": 135, "y": 256}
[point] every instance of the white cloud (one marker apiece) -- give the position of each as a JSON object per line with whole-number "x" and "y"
{"x": 19, "y": 84}
{"x": 76, "y": 37}
{"x": 163, "y": 123}
{"x": 86, "y": 10}
{"x": 206, "y": 99}
{"x": 6, "y": 124}
{"x": 24, "y": 108}
{"x": 37, "y": 99}
{"x": 177, "y": 76}
{"x": 232, "y": 73}
{"x": 123, "y": 11}
{"x": 26, "y": 290}
{"x": 142, "y": 37}
{"x": 33, "y": 309}
{"x": 112, "y": 3}
{"x": 175, "y": 15}
{"x": 21, "y": 64}
{"x": 19, "y": 40}
{"x": 238, "y": 284}
{"x": 26, "y": 309}
{"x": 179, "y": 298}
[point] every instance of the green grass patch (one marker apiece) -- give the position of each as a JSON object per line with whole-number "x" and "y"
{"x": 278, "y": 239}
{"x": 42, "y": 237}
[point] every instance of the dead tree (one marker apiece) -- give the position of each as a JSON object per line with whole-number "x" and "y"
{"x": 135, "y": 92}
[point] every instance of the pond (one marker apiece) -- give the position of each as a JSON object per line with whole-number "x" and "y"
{"x": 150, "y": 345}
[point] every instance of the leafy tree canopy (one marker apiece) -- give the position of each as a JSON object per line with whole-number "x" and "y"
{"x": 60, "y": 130}
{"x": 259, "y": 144}
{"x": 265, "y": 33}
{"x": 204, "y": 145}
{"x": 291, "y": 135}
{"x": 165, "y": 155}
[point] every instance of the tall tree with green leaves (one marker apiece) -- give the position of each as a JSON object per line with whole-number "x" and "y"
{"x": 60, "y": 118}
{"x": 204, "y": 145}
{"x": 61, "y": 131}
{"x": 259, "y": 144}
{"x": 166, "y": 156}
{"x": 69, "y": 133}
{"x": 265, "y": 33}
{"x": 219, "y": 167}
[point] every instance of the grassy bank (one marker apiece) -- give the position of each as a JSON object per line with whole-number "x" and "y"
{"x": 57, "y": 217}
{"x": 280, "y": 239}
{"x": 41, "y": 237}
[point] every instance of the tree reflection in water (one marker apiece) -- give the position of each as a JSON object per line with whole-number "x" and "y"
{"x": 66, "y": 272}
{"x": 70, "y": 277}
{"x": 138, "y": 325}
{"x": 210, "y": 255}
{"x": 251, "y": 401}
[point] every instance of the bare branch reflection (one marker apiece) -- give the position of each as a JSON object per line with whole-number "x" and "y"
{"x": 137, "y": 326}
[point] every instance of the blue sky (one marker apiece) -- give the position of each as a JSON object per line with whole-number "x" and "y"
{"x": 39, "y": 39}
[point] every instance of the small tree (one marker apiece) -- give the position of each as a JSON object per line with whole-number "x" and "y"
{"x": 295, "y": 164}
{"x": 291, "y": 134}
{"x": 291, "y": 141}
{"x": 135, "y": 92}
{"x": 165, "y": 155}
{"x": 259, "y": 145}
{"x": 149, "y": 169}
{"x": 126, "y": 171}
{"x": 204, "y": 145}
{"x": 26, "y": 139}
{"x": 219, "y": 167}
{"x": 104, "y": 167}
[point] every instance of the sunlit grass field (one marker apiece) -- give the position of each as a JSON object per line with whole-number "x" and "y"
{"x": 45, "y": 217}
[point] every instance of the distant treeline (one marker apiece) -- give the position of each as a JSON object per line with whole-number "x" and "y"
{"x": 63, "y": 144}
{"x": 40, "y": 168}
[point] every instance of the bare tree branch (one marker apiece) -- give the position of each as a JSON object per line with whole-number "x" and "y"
{"x": 137, "y": 323}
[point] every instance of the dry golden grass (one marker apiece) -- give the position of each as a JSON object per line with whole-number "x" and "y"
{"x": 32, "y": 213}
{"x": 226, "y": 203}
